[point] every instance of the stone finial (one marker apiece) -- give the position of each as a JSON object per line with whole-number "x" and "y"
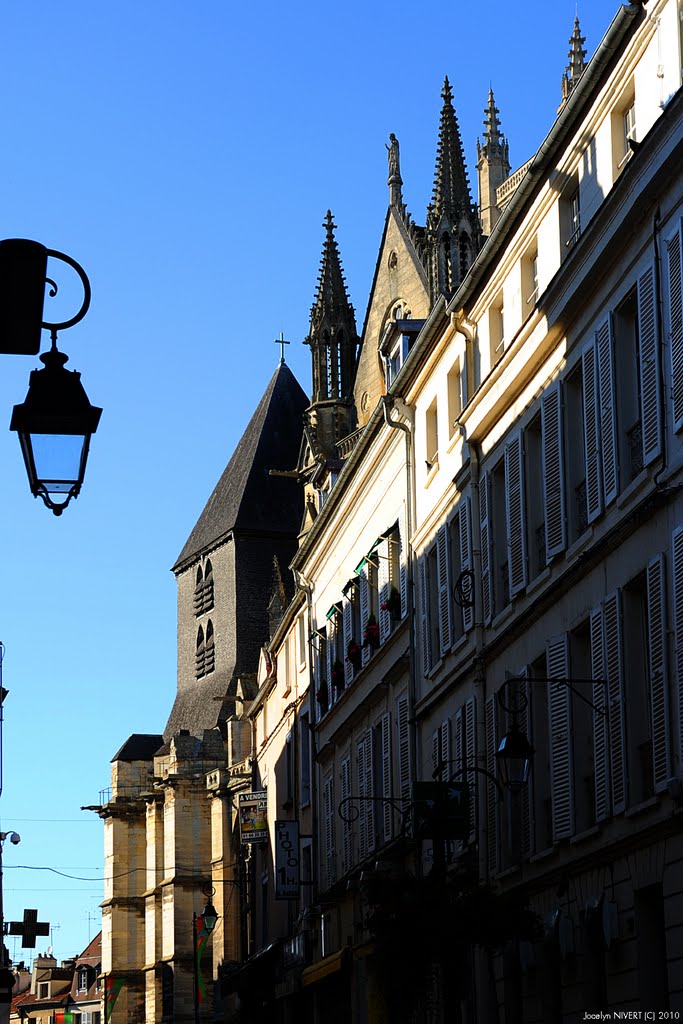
{"x": 394, "y": 180}
{"x": 577, "y": 61}
{"x": 451, "y": 187}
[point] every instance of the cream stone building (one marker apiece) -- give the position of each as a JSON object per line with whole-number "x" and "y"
{"x": 490, "y": 545}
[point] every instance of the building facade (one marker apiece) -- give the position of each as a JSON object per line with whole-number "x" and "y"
{"x": 490, "y": 545}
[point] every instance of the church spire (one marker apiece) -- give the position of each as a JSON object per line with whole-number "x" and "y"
{"x": 452, "y": 225}
{"x": 577, "y": 62}
{"x": 493, "y": 166}
{"x": 332, "y": 335}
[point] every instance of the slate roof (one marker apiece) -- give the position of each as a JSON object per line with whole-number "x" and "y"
{"x": 246, "y": 497}
{"x": 139, "y": 747}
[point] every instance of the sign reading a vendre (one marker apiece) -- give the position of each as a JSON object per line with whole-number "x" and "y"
{"x": 253, "y": 817}
{"x": 287, "y": 880}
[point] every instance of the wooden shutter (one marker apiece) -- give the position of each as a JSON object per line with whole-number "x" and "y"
{"x": 403, "y": 746}
{"x": 608, "y": 421}
{"x": 600, "y": 732}
{"x": 657, "y": 665}
{"x": 677, "y": 588}
{"x": 444, "y": 590}
{"x": 470, "y": 755}
{"x": 385, "y": 768}
{"x": 674, "y": 281}
{"x": 464, "y": 525}
{"x": 553, "y": 472}
{"x": 615, "y": 688}
{"x": 328, "y": 825}
{"x": 441, "y": 750}
{"x": 366, "y": 650}
{"x": 515, "y": 513}
{"x": 649, "y": 367}
{"x": 366, "y": 820}
{"x": 591, "y": 432}
{"x": 560, "y": 718}
{"x": 424, "y": 614}
{"x": 347, "y": 618}
{"x": 384, "y": 589}
{"x": 485, "y": 534}
{"x": 491, "y": 725}
{"x": 330, "y": 647}
{"x": 403, "y": 561}
{"x": 347, "y": 841}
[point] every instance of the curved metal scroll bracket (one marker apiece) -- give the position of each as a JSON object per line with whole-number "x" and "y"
{"x": 349, "y": 811}
{"x": 54, "y": 327}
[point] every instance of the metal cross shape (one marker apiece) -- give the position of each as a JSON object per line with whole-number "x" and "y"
{"x": 29, "y": 928}
{"x": 281, "y": 342}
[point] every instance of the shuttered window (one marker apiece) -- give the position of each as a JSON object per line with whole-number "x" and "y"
{"x": 591, "y": 432}
{"x": 403, "y": 563}
{"x": 347, "y": 826}
{"x": 674, "y": 302}
{"x": 657, "y": 667}
{"x": 383, "y": 785}
{"x": 329, "y": 865}
{"x": 615, "y": 687}
{"x": 515, "y": 514}
{"x": 600, "y": 731}
{"x": 485, "y": 535}
{"x": 384, "y": 588}
{"x": 492, "y": 823}
{"x": 403, "y": 748}
{"x": 677, "y": 592}
{"x": 366, "y": 819}
{"x": 465, "y": 529}
{"x": 608, "y": 422}
{"x": 347, "y": 618}
{"x": 553, "y": 472}
{"x": 560, "y": 719}
{"x": 441, "y": 750}
{"x": 443, "y": 590}
{"x": 649, "y": 367}
{"x": 424, "y": 614}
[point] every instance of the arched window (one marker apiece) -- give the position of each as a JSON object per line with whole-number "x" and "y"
{"x": 208, "y": 586}
{"x": 209, "y": 650}
{"x": 199, "y": 592}
{"x": 327, "y": 391}
{"x": 200, "y": 656}
{"x": 447, "y": 261}
{"x": 465, "y": 254}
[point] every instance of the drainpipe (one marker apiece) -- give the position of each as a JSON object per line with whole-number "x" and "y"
{"x": 390, "y": 402}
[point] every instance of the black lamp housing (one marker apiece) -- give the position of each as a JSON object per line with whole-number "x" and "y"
{"x": 55, "y": 424}
{"x": 209, "y": 916}
{"x": 514, "y": 757}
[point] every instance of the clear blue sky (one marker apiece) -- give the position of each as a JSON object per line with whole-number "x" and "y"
{"x": 186, "y": 154}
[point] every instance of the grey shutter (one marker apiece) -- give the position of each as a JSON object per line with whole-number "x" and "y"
{"x": 347, "y": 841}
{"x": 383, "y": 587}
{"x": 424, "y": 614}
{"x": 674, "y": 281}
{"x": 608, "y": 421}
{"x": 485, "y": 533}
{"x": 677, "y": 588}
{"x": 330, "y": 872}
{"x": 591, "y": 432}
{"x": 491, "y": 726}
{"x": 363, "y": 758}
{"x": 330, "y": 647}
{"x": 553, "y": 472}
{"x": 366, "y": 651}
{"x": 615, "y": 678}
{"x": 403, "y": 744}
{"x": 444, "y": 590}
{"x": 560, "y": 719}
{"x": 347, "y": 615}
{"x": 385, "y": 766}
{"x": 515, "y": 514}
{"x": 464, "y": 524}
{"x": 649, "y": 367}
{"x": 659, "y": 697}
{"x": 600, "y": 733}
{"x": 403, "y": 561}
{"x": 470, "y": 755}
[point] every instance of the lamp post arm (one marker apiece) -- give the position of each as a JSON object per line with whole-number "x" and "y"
{"x": 466, "y": 769}
{"x": 349, "y": 810}
{"x": 53, "y": 291}
{"x": 569, "y": 683}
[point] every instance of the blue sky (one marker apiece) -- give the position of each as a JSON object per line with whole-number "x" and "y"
{"x": 185, "y": 155}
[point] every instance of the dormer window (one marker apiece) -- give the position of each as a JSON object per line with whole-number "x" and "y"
{"x": 82, "y": 979}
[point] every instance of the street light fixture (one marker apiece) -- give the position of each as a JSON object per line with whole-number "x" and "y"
{"x": 56, "y": 420}
{"x": 202, "y": 926}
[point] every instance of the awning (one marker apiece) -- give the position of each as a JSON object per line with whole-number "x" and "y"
{"x": 324, "y": 968}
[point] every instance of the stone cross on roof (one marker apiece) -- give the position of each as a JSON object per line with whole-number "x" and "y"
{"x": 29, "y": 928}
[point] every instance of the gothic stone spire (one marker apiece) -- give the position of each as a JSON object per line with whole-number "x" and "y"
{"x": 451, "y": 188}
{"x": 493, "y": 166}
{"x": 577, "y": 62}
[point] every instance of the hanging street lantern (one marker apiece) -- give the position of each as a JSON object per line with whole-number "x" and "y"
{"x": 56, "y": 420}
{"x": 514, "y": 757}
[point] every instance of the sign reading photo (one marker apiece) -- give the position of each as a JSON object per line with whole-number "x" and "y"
{"x": 253, "y": 817}
{"x": 287, "y": 879}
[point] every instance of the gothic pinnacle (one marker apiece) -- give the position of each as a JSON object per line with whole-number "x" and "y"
{"x": 577, "y": 61}
{"x": 451, "y": 187}
{"x": 331, "y": 297}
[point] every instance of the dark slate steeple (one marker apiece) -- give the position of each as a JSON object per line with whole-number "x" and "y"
{"x": 452, "y": 224}
{"x": 334, "y": 342}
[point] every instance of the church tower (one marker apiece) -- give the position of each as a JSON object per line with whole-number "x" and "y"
{"x": 577, "y": 62}
{"x": 493, "y": 166}
{"x": 453, "y": 234}
{"x": 334, "y": 344}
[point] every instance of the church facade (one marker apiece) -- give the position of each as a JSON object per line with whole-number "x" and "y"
{"x": 481, "y": 556}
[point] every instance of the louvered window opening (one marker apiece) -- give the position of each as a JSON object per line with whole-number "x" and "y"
{"x": 203, "y": 597}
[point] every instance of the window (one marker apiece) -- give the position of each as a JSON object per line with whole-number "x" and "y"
{"x": 203, "y": 591}
{"x": 82, "y": 979}
{"x": 455, "y": 402}
{"x": 533, "y": 485}
{"x": 496, "y": 330}
{"x": 301, "y": 640}
{"x": 499, "y": 547}
{"x": 305, "y": 755}
{"x": 574, "y": 454}
{"x": 336, "y": 674}
{"x": 570, "y": 215}
{"x": 460, "y": 579}
{"x": 623, "y": 132}
{"x": 582, "y": 717}
{"x": 43, "y": 990}
{"x": 626, "y": 364}
{"x": 365, "y": 825}
{"x": 382, "y": 781}
{"x": 200, "y": 663}
{"x": 529, "y": 280}
{"x": 465, "y": 254}
{"x": 432, "y": 436}
{"x": 543, "y": 734}
{"x": 209, "y": 650}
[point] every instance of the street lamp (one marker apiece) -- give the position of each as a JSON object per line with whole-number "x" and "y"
{"x": 202, "y": 926}
{"x": 56, "y": 420}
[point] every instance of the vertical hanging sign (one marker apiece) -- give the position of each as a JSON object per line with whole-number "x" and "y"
{"x": 287, "y": 878}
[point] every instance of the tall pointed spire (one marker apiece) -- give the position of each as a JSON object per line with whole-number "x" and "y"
{"x": 453, "y": 233}
{"x": 451, "y": 188}
{"x": 332, "y": 336}
{"x": 493, "y": 166}
{"x": 577, "y": 62}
